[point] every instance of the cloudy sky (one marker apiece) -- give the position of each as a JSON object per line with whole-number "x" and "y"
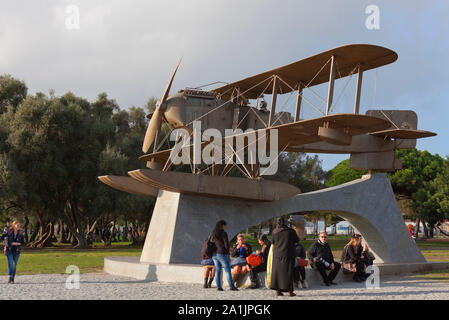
{"x": 129, "y": 48}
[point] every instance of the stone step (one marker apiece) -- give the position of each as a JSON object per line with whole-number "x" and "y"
{"x": 193, "y": 273}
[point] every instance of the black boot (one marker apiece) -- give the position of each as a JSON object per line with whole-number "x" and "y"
{"x": 10, "y": 279}
{"x": 205, "y": 283}
{"x": 254, "y": 285}
{"x": 356, "y": 278}
{"x": 254, "y": 282}
{"x": 209, "y": 284}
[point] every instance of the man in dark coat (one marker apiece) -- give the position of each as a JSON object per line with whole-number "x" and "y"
{"x": 284, "y": 240}
{"x": 321, "y": 258}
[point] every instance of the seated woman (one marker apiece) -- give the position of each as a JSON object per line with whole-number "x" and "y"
{"x": 239, "y": 266}
{"x": 356, "y": 258}
{"x": 266, "y": 244}
{"x": 351, "y": 258}
{"x": 367, "y": 257}
{"x": 300, "y": 271}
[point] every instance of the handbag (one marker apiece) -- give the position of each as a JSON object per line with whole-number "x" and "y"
{"x": 208, "y": 248}
{"x": 254, "y": 260}
{"x": 349, "y": 267}
{"x": 302, "y": 262}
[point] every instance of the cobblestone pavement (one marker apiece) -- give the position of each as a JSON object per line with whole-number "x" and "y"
{"x": 95, "y": 286}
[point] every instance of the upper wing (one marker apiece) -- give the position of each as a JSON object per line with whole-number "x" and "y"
{"x": 305, "y": 71}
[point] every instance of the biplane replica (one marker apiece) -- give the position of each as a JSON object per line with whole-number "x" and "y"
{"x": 371, "y": 139}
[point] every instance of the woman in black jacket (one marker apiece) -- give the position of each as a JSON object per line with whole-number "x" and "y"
{"x": 253, "y": 274}
{"x": 356, "y": 258}
{"x": 351, "y": 258}
{"x": 221, "y": 254}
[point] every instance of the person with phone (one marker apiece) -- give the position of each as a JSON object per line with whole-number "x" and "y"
{"x": 241, "y": 250}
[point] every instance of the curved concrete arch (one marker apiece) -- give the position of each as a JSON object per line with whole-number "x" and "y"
{"x": 180, "y": 222}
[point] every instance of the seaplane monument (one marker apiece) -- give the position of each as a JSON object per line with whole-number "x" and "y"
{"x": 188, "y": 204}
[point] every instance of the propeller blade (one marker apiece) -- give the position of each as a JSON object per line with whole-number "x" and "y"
{"x": 167, "y": 88}
{"x": 156, "y": 119}
{"x": 153, "y": 127}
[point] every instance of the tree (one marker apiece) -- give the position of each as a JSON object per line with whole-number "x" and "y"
{"x": 12, "y": 92}
{"x": 421, "y": 178}
{"x": 342, "y": 173}
{"x": 301, "y": 170}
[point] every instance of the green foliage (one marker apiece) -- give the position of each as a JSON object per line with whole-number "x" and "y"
{"x": 424, "y": 180}
{"x": 12, "y": 92}
{"x": 302, "y": 171}
{"x": 52, "y": 149}
{"x": 342, "y": 173}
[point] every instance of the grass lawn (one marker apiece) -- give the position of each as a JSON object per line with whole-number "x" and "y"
{"x": 56, "y": 259}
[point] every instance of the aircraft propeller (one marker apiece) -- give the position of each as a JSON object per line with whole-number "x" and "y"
{"x": 154, "y": 126}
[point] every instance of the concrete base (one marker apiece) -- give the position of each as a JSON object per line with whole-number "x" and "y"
{"x": 188, "y": 273}
{"x": 180, "y": 222}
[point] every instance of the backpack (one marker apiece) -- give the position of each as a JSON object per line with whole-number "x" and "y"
{"x": 208, "y": 248}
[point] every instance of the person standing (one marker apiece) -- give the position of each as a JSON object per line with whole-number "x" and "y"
{"x": 321, "y": 258}
{"x": 221, "y": 254}
{"x": 208, "y": 264}
{"x": 13, "y": 243}
{"x": 284, "y": 240}
{"x": 253, "y": 274}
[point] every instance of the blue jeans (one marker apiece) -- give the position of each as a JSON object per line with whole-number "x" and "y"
{"x": 13, "y": 258}
{"x": 222, "y": 260}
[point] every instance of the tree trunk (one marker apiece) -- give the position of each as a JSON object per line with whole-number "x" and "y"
{"x": 416, "y": 233}
{"x": 79, "y": 239}
{"x": 426, "y": 231}
{"x": 35, "y": 232}
{"x": 63, "y": 233}
{"x": 45, "y": 238}
{"x": 431, "y": 229}
{"x": 442, "y": 231}
{"x": 25, "y": 227}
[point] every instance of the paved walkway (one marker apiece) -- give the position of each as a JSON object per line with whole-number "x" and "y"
{"x": 94, "y": 286}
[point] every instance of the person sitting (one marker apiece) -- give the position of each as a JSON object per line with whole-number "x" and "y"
{"x": 239, "y": 266}
{"x": 253, "y": 274}
{"x": 351, "y": 258}
{"x": 367, "y": 257}
{"x": 321, "y": 258}
{"x": 300, "y": 271}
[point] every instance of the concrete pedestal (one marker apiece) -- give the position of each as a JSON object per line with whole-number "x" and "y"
{"x": 185, "y": 273}
{"x": 180, "y": 223}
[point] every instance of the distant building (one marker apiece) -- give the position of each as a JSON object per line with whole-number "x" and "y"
{"x": 343, "y": 227}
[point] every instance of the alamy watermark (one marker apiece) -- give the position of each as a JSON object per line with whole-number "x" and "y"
{"x": 72, "y": 20}
{"x": 372, "y": 22}
{"x": 73, "y": 280}
{"x": 373, "y": 280}
{"x": 241, "y": 147}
